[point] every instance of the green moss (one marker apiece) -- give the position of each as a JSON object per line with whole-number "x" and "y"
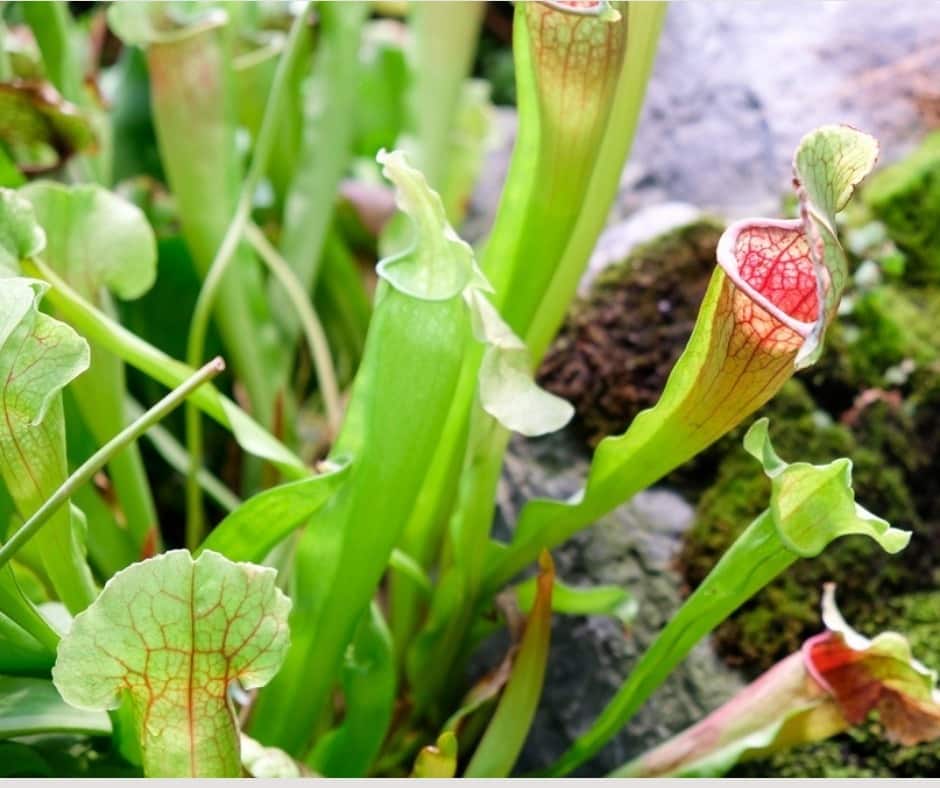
{"x": 863, "y": 752}
{"x": 906, "y": 197}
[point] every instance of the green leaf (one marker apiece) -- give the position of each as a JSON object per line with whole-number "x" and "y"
{"x": 582, "y": 600}
{"x": 437, "y": 760}
{"x": 812, "y": 505}
{"x": 29, "y": 706}
{"x": 508, "y": 391}
{"x": 174, "y": 633}
{"x": 20, "y": 233}
{"x": 196, "y": 135}
{"x": 38, "y": 357}
{"x": 401, "y": 397}
{"x": 502, "y": 742}
{"x": 94, "y": 238}
{"x": 438, "y": 265}
{"x": 763, "y": 316}
{"x": 369, "y": 685}
{"x": 254, "y": 528}
{"x": 20, "y": 652}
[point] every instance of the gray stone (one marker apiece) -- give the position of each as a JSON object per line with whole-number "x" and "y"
{"x": 633, "y": 547}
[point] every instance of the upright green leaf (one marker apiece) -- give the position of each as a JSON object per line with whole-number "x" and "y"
{"x": 763, "y": 316}
{"x": 401, "y": 397}
{"x": 38, "y": 357}
{"x": 193, "y": 105}
{"x": 810, "y": 506}
{"x": 173, "y": 634}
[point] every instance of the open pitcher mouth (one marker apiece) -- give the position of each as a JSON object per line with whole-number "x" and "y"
{"x": 770, "y": 262}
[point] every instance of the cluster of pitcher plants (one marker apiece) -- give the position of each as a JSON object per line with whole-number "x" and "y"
{"x": 188, "y": 179}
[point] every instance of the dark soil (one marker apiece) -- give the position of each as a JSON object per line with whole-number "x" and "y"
{"x": 618, "y": 345}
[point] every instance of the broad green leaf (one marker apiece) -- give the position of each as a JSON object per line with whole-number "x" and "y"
{"x": 502, "y": 742}
{"x": 20, "y": 233}
{"x": 810, "y": 506}
{"x": 582, "y": 600}
{"x": 173, "y": 634}
{"x": 29, "y": 706}
{"x": 508, "y": 391}
{"x": 438, "y": 265}
{"x": 761, "y": 318}
{"x": 369, "y": 685}
{"x": 437, "y": 760}
{"x": 402, "y": 394}
{"x": 38, "y": 357}
{"x": 254, "y": 528}
{"x": 94, "y": 238}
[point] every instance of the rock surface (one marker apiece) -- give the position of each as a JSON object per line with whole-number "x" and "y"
{"x": 590, "y": 656}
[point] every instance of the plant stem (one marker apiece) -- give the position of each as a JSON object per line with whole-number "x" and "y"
{"x": 176, "y": 457}
{"x": 195, "y": 525}
{"x": 100, "y": 329}
{"x": 93, "y": 464}
{"x": 309, "y": 322}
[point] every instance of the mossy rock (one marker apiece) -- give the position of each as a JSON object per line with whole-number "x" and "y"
{"x": 906, "y": 197}
{"x": 776, "y": 621}
{"x": 863, "y": 752}
{"x": 887, "y": 327}
{"x": 618, "y": 345}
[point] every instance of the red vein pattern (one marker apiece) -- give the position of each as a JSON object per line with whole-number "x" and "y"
{"x": 172, "y": 634}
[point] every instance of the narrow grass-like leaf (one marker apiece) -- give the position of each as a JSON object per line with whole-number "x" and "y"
{"x": 502, "y": 742}
{"x": 254, "y": 528}
{"x": 611, "y": 601}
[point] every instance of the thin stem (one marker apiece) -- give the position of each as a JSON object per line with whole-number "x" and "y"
{"x": 101, "y": 330}
{"x": 309, "y": 322}
{"x": 195, "y": 517}
{"x": 174, "y": 453}
{"x": 93, "y": 464}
